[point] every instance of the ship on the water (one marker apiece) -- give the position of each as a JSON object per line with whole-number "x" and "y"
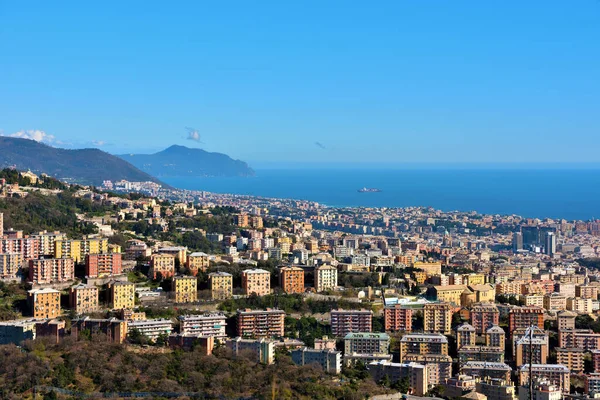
{"x": 369, "y": 190}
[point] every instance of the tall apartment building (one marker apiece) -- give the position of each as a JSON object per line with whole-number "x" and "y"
{"x": 291, "y": 279}
{"x": 185, "y": 289}
{"x": 524, "y": 317}
{"x": 260, "y": 323}
{"x": 326, "y": 278}
{"x": 484, "y": 316}
{"x": 437, "y": 318}
{"x": 587, "y": 291}
{"x": 366, "y": 343}
{"x": 537, "y": 345}
{"x": 495, "y": 337}
{"x": 197, "y": 261}
{"x": 397, "y": 318}
{"x": 241, "y": 220}
{"x": 209, "y": 324}
{"x": 11, "y": 265}
{"x": 566, "y": 320}
{"x": 439, "y": 366}
{"x": 256, "y": 281}
{"x": 221, "y": 285}
{"x": 78, "y": 249}
{"x": 262, "y": 349}
{"x": 579, "y": 338}
{"x": 344, "y": 322}
{"x": 329, "y": 360}
{"x": 83, "y": 298}
{"x": 421, "y": 343}
{"x": 571, "y": 358}
{"x": 29, "y": 248}
{"x": 161, "y": 265}
{"x": 44, "y": 303}
{"x": 558, "y": 375}
{"x": 121, "y": 295}
{"x": 49, "y": 270}
{"x": 465, "y": 335}
{"x": 104, "y": 264}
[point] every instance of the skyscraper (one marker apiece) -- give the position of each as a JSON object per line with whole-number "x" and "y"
{"x": 550, "y": 244}
{"x": 517, "y": 241}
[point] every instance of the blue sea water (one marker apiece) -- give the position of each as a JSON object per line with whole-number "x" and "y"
{"x": 569, "y": 194}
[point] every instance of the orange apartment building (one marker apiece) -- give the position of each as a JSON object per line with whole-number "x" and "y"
{"x": 49, "y": 270}
{"x": 397, "y": 318}
{"x": 524, "y": 317}
{"x": 105, "y": 264}
{"x": 291, "y": 279}
{"x": 44, "y": 303}
{"x": 260, "y": 323}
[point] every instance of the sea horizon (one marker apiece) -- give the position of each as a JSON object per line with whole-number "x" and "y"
{"x": 569, "y": 194}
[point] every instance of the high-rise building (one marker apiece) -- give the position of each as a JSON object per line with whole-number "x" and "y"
{"x": 326, "y": 278}
{"x": 484, "y": 316}
{"x": 495, "y": 337}
{"x": 366, "y": 343}
{"x": 423, "y": 343}
{"x": 185, "y": 288}
{"x": 558, "y": 375}
{"x": 11, "y": 265}
{"x": 437, "y": 318}
{"x": 550, "y": 247}
{"x": 221, "y": 285}
{"x": 260, "y": 323}
{"x": 84, "y": 298}
{"x": 570, "y": 358}
{"x": 49, "y": 270}
{"x": 101, "y": 265}
{"x": 291, "y": 279}
{"x": 121, "y": 295}
{"x": 257, "y": 281}
{"x": 344, "y": 322}
{"x": 517, "y": 241}
{"x": 566, "y": 320}
{"x": 397, "y": 318}
{"x": 209, "y": 324}
{"x": 263, "y": 350}
{"x": 44, "y": 303}
{"x": 524, "y": 317}
{"x": 465, "y": 335}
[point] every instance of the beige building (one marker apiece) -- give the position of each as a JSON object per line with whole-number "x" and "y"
{"x": 437, "y": 318}
{"x": 44, "y": 303}
{"x": 256, "y": 281}
{"x": 571, "y": 358}
{"x": 532, "y": 300}
{"x": 121, "y": 295}
{"x": 580, "y": 305}
{"x": 221, "y": 285}
{"x": 197, "y": 261}
{"x": 555, "y": 302}
{"x": 495, "y": 337}
{"x": 566, "y": 320}
{"x": 185, "y": 288}
{"x": 326, "y": 278}
{"x": 84, "y": 298}
{"x": 465, "y": 335}
{"x": 162, "y": 265}
{"x": 430, "y": 268}
{"x": 448, "y": 294}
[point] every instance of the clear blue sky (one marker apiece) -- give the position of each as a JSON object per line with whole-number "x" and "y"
{"x": 397, "y": 81}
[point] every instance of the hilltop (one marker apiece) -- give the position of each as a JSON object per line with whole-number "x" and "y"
{"x": 185, "y": 161}
{"x": 85, "y": 166}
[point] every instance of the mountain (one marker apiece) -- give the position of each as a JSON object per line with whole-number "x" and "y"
{"x": 184, "y": 161}
{"x": 85, "y": 166}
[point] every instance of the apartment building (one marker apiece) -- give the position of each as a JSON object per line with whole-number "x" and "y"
{"x": 536, "y": 300}
{"x": 366, "y": 343}
{"x": 185, "y": 289}
{"x": 439, "y": 366}
{"x": 580, "y": 305}
{"x": 326, "y": 278}
{"x": 329, "y": 360}
{"x": 480, "y": 353}
{"x": 263, "y": 350}
{"x": 78, "y": 249}
{"x": 115, "y": 329}
{"x": 179, "y": 252}
{"x": 483, "y": 316}
{"x": 495, "y": 337}
{"x": 344, "y": 322}
{"x": 555, "y": 302}
{"x": 16, "y": 332}
{"x": 421, "y": 343}
{"x": 84, "y": 298}
{"x": 465, "y": 335}
{"x": 47, "y": 241}
{"x": 104, "y": 264}
{"x": 416, "y": 374}
{"x": 397, "y": 318}
{"x": 51, "y": 270}
{"x": 291, "y": 279}
{"x": 260, "y": 323}
{"x": 121, "y": 295}
{"x": 192, "y": 341}
{"x": 537, "y": 345}
{"x": 151, "y": 328}
{"x": 566, "y": 320}
{"x": 570, "y": 358}
{"x": 558, "y": 375}
{"x": 579, "y": 338}
{"x": 486, "y": 370}
{"x": 11, "y": 265}
{"x": 197, "y": 261}
{"x": 512, "y": 288}
{"x": 524, "y": 317}
{"x": 27, "y": 247}
{"x": 209, "y": 324}
{"x": 587, "y": 291}
{"x": 221, "y": 285}
{"x": 257, "y": 281}
{"x": 161, "y": 266}
{"x": 437, "y": 318}
{"x": 44, "y": 303}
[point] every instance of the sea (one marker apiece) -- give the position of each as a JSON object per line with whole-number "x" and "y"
{"x": 571, "y": 194}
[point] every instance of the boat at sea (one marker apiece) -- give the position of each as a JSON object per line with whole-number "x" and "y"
{"x": 369, "y": 190}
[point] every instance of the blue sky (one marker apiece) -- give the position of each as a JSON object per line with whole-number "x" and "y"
{"x": 264, "y": 81}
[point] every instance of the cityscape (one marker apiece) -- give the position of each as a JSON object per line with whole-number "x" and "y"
{"x": 414, "y": 301}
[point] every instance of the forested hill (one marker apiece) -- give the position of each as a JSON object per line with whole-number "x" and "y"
{"x": 85, "y": 166}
